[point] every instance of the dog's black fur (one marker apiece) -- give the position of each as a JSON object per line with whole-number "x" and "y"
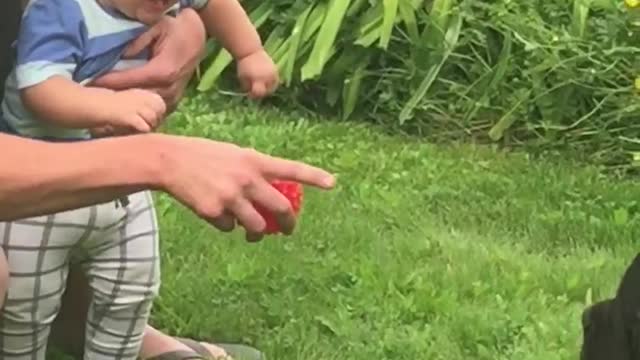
{"x": 611, "y": 328}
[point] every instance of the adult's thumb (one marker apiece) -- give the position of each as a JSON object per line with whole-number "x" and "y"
{"x": 142, "y": 42}
{"x": 147, "y": 75}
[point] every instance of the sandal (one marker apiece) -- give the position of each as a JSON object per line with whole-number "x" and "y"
{"x": 200, "y": 352}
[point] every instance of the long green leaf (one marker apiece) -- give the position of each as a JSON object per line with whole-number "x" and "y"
{"x": 580, "y": 16}
{"x": 314, "y": 21}
{"x": 370, "y": 33}
{"x": 408, "y": 15}
{"x": 325, "y": 39}
{"x": 370, "y": 23}
{"x": 296, "y": 36}
{"x": 438, "y": 22}
{"x": 351, "y": 92}
{"x": 336, "y": 72}
{"x": 497, "y": 75}
{"x": 452, "y": 35}
{"x": 274, "y": 40}
{"x": 389, "y": 19}
{"x": 280, "y": 55}
{"x": 356, "y": 7}
{"x": 497, "y": 131}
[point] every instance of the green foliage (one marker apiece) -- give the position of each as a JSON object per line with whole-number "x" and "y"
{"x": 539, "y": 73}
{"x": 421, "y": 252}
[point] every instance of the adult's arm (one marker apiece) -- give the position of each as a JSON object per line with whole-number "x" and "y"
{"x": 38, "y": 178}
{"x": 211, "y": 178}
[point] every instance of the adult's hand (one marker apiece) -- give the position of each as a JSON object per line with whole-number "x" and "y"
{"x": 177, "y": 45}
{"x": 221, "y": 181}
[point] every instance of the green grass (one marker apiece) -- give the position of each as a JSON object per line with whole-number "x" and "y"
{"x": 421, "y": 252}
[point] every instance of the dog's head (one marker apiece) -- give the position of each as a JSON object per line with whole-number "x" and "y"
{"x": 611, "y": 328}
{"x": 604, "y": 335}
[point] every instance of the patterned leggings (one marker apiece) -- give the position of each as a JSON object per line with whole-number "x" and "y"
{"x": 118, "y": 248}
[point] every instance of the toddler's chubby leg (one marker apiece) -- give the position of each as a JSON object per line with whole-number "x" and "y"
{"x": 123, "y": 271}
{"x": 37, "y": 251}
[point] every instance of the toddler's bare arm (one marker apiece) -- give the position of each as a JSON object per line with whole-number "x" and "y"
{"x": 227, "y": 21}
{"x": 62, "y": 102}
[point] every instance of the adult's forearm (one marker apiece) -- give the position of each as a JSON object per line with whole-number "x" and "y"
{"x": 39, "y": 178}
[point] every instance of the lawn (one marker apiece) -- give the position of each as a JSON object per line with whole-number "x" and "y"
{"x": 422, "y": 252}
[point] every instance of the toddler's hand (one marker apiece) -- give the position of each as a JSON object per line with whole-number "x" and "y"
{"x": 258, "y": 74}
{"x": 136, "y": 110}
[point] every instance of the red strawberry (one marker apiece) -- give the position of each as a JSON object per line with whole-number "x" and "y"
{"x": 292, "y": 191}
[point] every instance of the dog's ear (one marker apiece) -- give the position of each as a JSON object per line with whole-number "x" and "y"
{"x": 628, "y": 294}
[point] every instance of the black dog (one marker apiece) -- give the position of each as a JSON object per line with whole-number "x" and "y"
{"x": 611, "y": 328}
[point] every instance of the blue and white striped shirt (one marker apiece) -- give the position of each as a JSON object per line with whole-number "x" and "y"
{"x": 77, "y": 39}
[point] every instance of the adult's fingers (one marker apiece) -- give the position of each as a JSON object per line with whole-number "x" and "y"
{"x": 225, "y": 222}
{"x": 169, "y": 94}
{"x": 273, "y": 201}
{"x": 247, "y": 215}
{"x": 142, "y": 42}
{"x": 284, "y": 169}
{"x": 253, "y": 237}
{"x": 152, "y": 74}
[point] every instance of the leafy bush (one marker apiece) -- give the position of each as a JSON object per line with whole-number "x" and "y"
{"x": 534, "y": 72}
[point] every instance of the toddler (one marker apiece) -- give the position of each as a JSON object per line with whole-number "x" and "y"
{"x": 63, "y": 45}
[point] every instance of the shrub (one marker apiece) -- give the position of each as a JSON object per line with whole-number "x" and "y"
{"x": 521, "y": 72}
